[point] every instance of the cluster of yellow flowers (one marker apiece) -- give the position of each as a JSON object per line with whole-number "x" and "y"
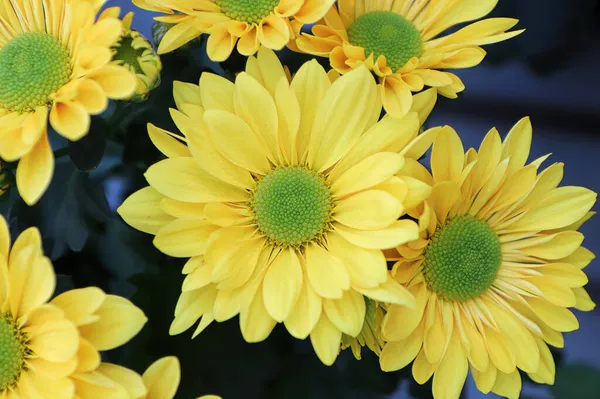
{"x": 290, "y": 195}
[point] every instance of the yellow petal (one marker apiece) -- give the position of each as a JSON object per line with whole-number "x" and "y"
{"x": 35, "y": 170}
{"x": 367, "y": 267}
{"x": 116, "y": 81}
{"x": 254, "y": 104}
{"x": 184, "y": 238}
{"x": 447, "y": 157}
{"x": 397, "y": 355}
{"x": 333, "y": 135}
{"x": 508, "y": 385}
{"x": 558, "y": 246}
{"x": 273, "y": 32}
{"x": 31, "y": 280}
{"x": 189, "y": 93}
{"x": 179, "y": 35}
{"x": 282, "y": 284}
{"x": 584, "y": 302}
{"x": 326, "y": 340}
{"x": 143, "y": 212}
{"x": 524, "y": 347}
{"x": 517, "y": 144}
{"x": 91, "y": 95}
{"x": 554, "y": 291}
{"x": 80, "y": 304}
{"x": 326, "y": 273}
{"x": 400, "y": 232}
{"x": 310, "y": 85}
{"x": 128, "y": 379}
{"x": 55, "y": 341}
{"x": 422, "y": 370}
{"x": 484, "y": 380}
{"x": 500, "y": 351}
{"x": 88, "y": 358}
{"x": 162, "y": 378}
{"x": 401, "y": 321}
{"x": 368, "y": 210}
{"x": 70, "y": 119}
{"x": 369, "y": 172}
{"x": 389, "y": 135}
{"x": 166, "y": 143}
{"x": 390, "y": 292}
{"x": 119, "y": 321}
{"x": 255, "y": 322}
{"x": 306, "y": 313}
{"x": 451, "y": 373}
{"x": 347, "y": 313}
{"x": 190, "y": 307}
{"x": 220, "y": 44}
{"x": 183, "y": 180}
{"x": 236, "y": 141}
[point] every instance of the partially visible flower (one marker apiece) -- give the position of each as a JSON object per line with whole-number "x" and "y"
{"x": 135, "y": 52}
{"x": 495, "y": 270}
{"x": 283, "y": 196}
{"x": 249, "y": 24}
{"x": 401, "y": 42}
{"x": 55, "y": 63}
{"x": 159, "y": 381}
{"x": 52, "y": 349}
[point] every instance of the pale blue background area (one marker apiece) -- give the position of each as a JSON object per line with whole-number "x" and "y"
{"x": 574, "y": 89}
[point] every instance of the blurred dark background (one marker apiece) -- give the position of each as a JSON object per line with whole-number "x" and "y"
{"x": 550, "y": 73}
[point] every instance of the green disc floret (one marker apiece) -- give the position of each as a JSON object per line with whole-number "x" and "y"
{"x": 462, "y": 259}
{"x": 12, "y": 352}
{"x": 251, "y": 11}
{"x": 386, "y": 33}
{"x": 292, "y": 206}
{"x": 33, "y": 65}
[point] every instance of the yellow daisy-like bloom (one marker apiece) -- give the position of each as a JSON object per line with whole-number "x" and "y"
{"x": 51, "y": 350}
{"x": 496, "y": 267}
{"x": 159, "y": 381}
{"x": 137, "y": 54}
{"x": 247, "y": 23}
{"x": 283, "y": 198}
{"x": 399, "y": 40}
{"x": 54, "y": 63}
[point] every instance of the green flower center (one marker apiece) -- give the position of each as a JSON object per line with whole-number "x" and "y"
{"x": 251, "y": 11}
{"x": 292, "y": 206}
{"x": 386, "y": 33}
{"x": 462, "y": 259}
{"x": 12, "y": 352}
{"x": 33, "y": 65}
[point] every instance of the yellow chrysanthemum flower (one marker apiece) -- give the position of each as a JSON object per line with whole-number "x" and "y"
{"x": 160, "y": 380}
{"x": 51, "y": 350}
{"x": 247, "y": 23}
{"x": 399, "y": 40}
{"x": 54, "y": 63}
{"x": 283, "y": 198}
{"x": 137, "y": 54}
{"x": 496, "y": 266}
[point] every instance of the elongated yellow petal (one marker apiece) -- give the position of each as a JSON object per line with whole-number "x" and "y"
{"x": 400, "y": 232}
{"x": 369, "y": 172}
{"x": 183, "y": 180}
{"x": 162, "y": 378}
{"x": 326, "y": 340}
{"x": 142, "y": 211}
{"x": 368, "y": 210}
{"x": 282, "y": 285}
{"x": 346, "y": 313}
{"x": 326, "y": 273}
